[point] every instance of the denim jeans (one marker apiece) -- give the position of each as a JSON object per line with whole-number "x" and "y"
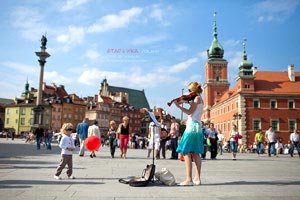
{"x": 295, "y": 144}
{"x": 271, "y": 148}
{"x": 260, "y": 148}
{"x": 233, "y": 146}
{"x": 48, "y": 142}
{"x": 38, "y": 142}
{"x": 174, "y": 145}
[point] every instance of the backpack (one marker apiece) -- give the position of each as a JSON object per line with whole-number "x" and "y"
{"x": 141, "y": 181}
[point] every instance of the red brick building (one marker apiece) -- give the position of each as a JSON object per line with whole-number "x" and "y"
{"x": 259, "y": 98}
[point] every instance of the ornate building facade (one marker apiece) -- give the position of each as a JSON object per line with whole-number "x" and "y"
{"x": 258, "y": 100}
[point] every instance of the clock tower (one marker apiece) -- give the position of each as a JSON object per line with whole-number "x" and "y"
{"x": 216, "y": 82}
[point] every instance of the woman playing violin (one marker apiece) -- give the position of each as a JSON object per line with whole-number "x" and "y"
{"x": 191, "y": 142}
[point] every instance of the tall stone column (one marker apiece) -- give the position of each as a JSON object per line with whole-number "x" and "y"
{"x": 39, "y": 109}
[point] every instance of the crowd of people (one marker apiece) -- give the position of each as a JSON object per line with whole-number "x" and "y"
{"x": 197, "y": 139}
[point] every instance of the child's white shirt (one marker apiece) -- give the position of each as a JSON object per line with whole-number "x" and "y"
{"x": 66, "y": 142}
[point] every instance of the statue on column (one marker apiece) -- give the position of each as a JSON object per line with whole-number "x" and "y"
{"x": 44, "y": 41}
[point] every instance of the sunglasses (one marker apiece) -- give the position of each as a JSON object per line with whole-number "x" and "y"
{"x": 69, "y": 129}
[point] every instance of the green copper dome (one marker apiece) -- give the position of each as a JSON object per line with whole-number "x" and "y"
{"x": 215, "y": 50}
{"x": 245, "y": 68}
{"x": 245, "y": 64}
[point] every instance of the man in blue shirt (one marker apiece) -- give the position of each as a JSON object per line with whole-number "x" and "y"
{"x": 82, "y": 131}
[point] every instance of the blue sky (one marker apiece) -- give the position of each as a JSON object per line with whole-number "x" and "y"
{"x": 158, "y": 46}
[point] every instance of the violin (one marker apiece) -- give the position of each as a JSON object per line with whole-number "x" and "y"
{"x": 184, "y": 98}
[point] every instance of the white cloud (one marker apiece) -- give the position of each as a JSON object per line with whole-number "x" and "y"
{"x": 280, "y": 10}
{"x": 231, "y": 43}
{"x": 115, "y": 21}
{"x": 158, "y": 13}
{"x": 234, "y": 58}
{"x": 73, "y": 36}
{"x": 29, "y": 21}
{"x": 92, "y": 54}
{"x": 55, "y": 77}
{"x": 203, "y": 55}
{"x": 10, "y": 89}
{"x": 180, "y": 48}
{"x": 21, "y": 68}
{"x": 131, "y": 78}
{"x": 71, "y": 4}
{"x": 182, "y": 65}
{"x": 145, "y": 40}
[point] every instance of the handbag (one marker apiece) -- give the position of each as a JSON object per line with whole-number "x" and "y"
{"x": 115, "y": 142}
{"x": 166, "y": 177}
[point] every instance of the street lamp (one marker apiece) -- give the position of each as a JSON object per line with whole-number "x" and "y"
{"x": 237, "y": 117}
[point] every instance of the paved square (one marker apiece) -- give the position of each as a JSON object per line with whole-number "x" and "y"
{"x": 27, "y": 173}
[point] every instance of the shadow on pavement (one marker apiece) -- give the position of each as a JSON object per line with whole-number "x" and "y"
{"x": 28, "y": 183}
{"x": 281, "y": 183}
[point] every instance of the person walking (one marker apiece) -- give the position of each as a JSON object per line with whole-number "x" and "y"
{"x": 94, "y": 131}
{"x": 67, "y": 147}
{"x": 212, "y": 134}
{"x": 234, "y": 138}
{"x": 164, "y": 137}
{"x": 204, "y": 131}
{"x": 294, "y": 139}
{"x": 123, "y": 135}
{"x": 220, "y": 142}
{"x": 191, "y": 143}
{"x": 174, "y": 132}
{"x": 39, "y": 134}
{"x": 82, "y": 131}
{"x": 48, "y": 139}
{"x": 259, "y": 141}
{"x": 270, "y": 137}
{"x": 112, "y": 137}
{"x": 154, "y": 138}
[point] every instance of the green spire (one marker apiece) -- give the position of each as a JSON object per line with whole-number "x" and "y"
{"x": 246, "y": 65}
{"x": 216, "y": 50}
{"x": 26, "y": 92}
{"x": 215, "y": 34}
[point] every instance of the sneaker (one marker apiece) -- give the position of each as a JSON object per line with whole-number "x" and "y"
{"x": 71, "y": 177}
{"x": 57, "y": 177}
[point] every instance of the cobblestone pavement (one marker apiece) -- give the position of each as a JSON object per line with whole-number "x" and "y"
{"x": 27, "y": 173}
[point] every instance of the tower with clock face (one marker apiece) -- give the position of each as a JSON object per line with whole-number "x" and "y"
{"x": 216, "y": 81}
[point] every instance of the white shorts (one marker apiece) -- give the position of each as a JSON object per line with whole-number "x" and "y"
{"x": 156, "y": 142}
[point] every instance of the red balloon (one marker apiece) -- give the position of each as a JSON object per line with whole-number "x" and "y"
{"x": 92, "y": 143}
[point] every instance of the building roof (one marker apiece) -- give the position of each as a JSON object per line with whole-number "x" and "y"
{"x": 5, "y": 101}
{"x": 271, "y": 82}
{"x": 59, "y": 91}
{"x": 136, "y": 98}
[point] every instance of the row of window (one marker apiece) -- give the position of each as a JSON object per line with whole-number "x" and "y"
{"x": 23, "y": 111}
{"x": 23, "y": 122}
{"x": 273, "y": 104}
{"x": 256, "y": 104}
{"x": 275, "y": 124}
{"x": 226, "y": 127}
{"x": 225, "y": 109}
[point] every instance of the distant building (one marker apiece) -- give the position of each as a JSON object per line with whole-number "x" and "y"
{"x": 113, "y": 103}
{"x": 60, "y": 107}
{"x": 136, "y": 98}
{"x": 3, "y": 103}
{"x": 259, "y": 98}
